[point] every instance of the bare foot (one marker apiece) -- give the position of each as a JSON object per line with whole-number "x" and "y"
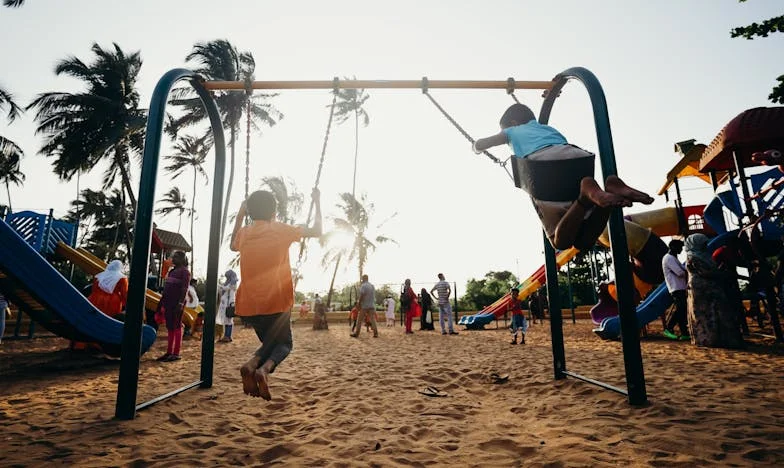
{"x": 249, "y": 384}
{"x": 261, "y": 383}
{"x": 615, "y": 185}
{"x": 590, "y": 191}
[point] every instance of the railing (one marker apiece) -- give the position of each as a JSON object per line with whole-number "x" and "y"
{"x": 41, "y": 231}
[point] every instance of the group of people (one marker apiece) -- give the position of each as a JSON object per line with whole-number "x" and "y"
{"x": 412, "y": 305}
{"x": 708, "y": 305}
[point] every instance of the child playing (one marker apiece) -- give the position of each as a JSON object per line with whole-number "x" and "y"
{"x": 353, "y": 316}
{"x": 519, "y": 323}
{"x": 572, "y": 207}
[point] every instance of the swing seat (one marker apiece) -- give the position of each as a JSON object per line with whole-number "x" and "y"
{"x": 552, "y": 180}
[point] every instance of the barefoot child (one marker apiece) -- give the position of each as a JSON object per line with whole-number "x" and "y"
{"x": 519, "y": 323}
{"x": 571, "y": 205}
{"x": 266, "y": 293}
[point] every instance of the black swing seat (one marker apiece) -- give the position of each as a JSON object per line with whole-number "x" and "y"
{"x": 552, "y": 180}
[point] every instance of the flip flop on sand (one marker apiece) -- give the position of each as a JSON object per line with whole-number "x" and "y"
{"x": 433, "y": 392}
{"x": 498, "y": 378}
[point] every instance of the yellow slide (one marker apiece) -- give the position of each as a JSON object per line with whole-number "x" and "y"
{"x": 93, "y": 265}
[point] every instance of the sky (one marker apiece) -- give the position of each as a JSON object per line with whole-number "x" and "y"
{"x": 669, "y": 70}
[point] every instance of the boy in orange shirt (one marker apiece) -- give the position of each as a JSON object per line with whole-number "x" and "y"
{"x": 266, "y": 293}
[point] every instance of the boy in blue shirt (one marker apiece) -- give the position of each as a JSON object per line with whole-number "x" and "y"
{"x": 571, "y": 205}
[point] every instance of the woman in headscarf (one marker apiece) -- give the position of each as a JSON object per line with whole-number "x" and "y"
{"x": 227, "y": 292}
{"x": 172, "y": 304}
{"x": 713, "y": 321}
{"x": 409, "y": 305}
{"x": 426, "y": 301}
{"x": 110, "y": 289}
{"x": 109, "y": 294}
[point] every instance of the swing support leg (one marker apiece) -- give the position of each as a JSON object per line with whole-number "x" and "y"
{"x": 632, "y": 355}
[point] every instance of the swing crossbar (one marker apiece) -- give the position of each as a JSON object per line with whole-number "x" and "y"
{"x": 378, "y": 84}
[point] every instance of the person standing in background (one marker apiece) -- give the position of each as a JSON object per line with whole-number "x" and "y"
{"x": 444, "y": 308}
{"x": 367, "y": 307}
{"x": 225, "y": 316}
{"x": 172, "y": 304}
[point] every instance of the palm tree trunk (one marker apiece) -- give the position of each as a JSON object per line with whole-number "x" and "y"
{"x": 126, "y": 179}
{"x": 232, "y": 135}
{"x": 332, "y": 283}
{"x": 193, "y": 214}
{"x": 125, "y": 226}
{"x": 356, "y": 150}
{"x": 8, "y": 192}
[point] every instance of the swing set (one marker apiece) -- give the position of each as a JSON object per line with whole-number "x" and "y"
{"x": 126, "y": 406}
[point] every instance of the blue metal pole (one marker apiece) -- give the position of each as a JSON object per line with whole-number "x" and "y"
{"x": 635, "y": 378}
{"x": 132, "y": 332}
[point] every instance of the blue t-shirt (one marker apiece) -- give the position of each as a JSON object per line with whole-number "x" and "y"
{"x": 531, "y": 137}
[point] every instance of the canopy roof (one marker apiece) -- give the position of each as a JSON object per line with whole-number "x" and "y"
{"x": 688, "y": 166}
{"x": 171, "y": 240}
{"x": 758, "y": 129}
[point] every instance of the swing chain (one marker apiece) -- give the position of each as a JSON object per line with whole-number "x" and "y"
{"x": 248, "y": 108}
{"x": 510, "y": 88}
{"x": 459, "y": 128}
{"x": 336, "y": 86}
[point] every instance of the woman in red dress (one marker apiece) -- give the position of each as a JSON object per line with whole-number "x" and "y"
{"x": 110, "y": 290}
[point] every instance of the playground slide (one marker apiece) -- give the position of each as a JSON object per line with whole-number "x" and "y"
{"x": 527, "y": 287}
{"x": 28, "y": 280}
{"x": 655, "y": 304}
{"x": 93, "y": 265}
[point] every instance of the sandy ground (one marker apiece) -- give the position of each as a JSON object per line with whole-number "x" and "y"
{"x": 339, "y": 401}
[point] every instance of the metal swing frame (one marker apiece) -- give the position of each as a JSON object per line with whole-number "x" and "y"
{"x": 126, "y": 406}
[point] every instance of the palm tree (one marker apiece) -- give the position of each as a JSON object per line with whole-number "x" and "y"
{"x": 13, "y": 3}
{"x": 101, "y": 214}
{"x": 350, "y": 239}
{"x": 191, "y": 152}
{"x": 102, "y": 123}
{"x": 10, "y": 152}
{"x": 10, "y": 174}
{"x": 175, "y": 203}
{"x": 350, "y": 103}
{"x": 289, "y": 200}
{"x": 220, "y": 60}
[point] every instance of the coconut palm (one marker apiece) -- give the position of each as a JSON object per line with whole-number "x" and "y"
{"x": 174, "y": 202}
{"x": 350, "y": 103}
{"x": 220, "y": 60}
{"x": 13, "y": 3}
{"x": 100, "y": 217}
{"x": 191, "y": 152}
{"x": 289, "y": 200}
{"x": 10, "y": 152}
{"x": 102, "y": 123}
{"x": 350, "y": 239}
{"x": 10, "y": 174}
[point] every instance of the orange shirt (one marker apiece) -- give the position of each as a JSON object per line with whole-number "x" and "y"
{"x": 110, "y": 304}
{"x": 266, "y": 287}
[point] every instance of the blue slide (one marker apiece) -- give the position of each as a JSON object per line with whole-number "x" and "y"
{"x": 31, "y": 283}
{"x": 651, "y": 308}
{"x": 655, "y": 304}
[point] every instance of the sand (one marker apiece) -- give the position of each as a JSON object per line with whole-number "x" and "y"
{"x": 339, "y": 401}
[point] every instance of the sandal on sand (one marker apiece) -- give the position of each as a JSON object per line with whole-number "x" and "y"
{"x": 433, "y": 392}
{"x": 499, "y": 379}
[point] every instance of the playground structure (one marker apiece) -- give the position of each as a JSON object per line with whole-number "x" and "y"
{"x": 722, "y": 164}
{"x": 33, "y": 284}
{"x": 132, "y": 339}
